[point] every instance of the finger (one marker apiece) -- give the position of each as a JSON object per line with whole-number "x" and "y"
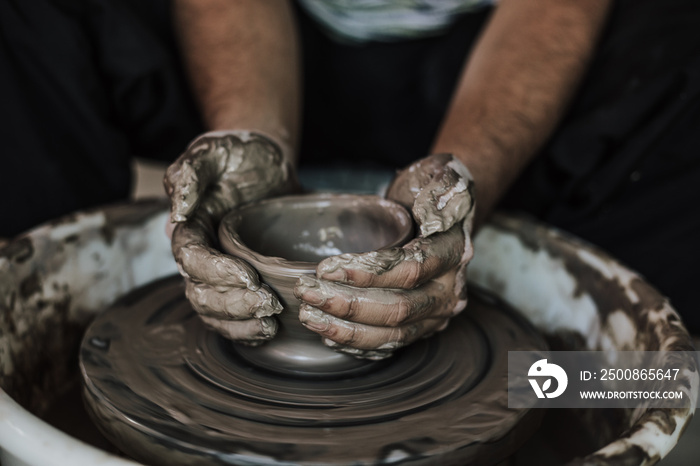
{"x": 183, "y": 187}
{"x": 222, "y": 169}
{"x": 409, "y": 181}
{"x": 444, "y": 201}
{"x": 362, "y": 336}
{"x": 379, "y": 306}
{"x": 252, "y": 331}
{"x": 407, "y": 267}
{"x": 439, "y": 191}
{"x": 187, "y": 178}
{"x": 232, "y": 303}
{"x": 202, "y": 263}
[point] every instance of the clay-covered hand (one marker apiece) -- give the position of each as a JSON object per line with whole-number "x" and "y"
{"x": 370, "y": 304}
{"x": 218, "y": 171}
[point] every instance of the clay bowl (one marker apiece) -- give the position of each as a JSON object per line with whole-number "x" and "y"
{"x": 284, "y": 238}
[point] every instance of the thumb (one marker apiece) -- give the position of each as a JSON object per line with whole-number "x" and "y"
{"x": 445, "y": 200}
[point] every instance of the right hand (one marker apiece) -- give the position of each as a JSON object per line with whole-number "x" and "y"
{"x": 217, "y": 172}
{"x": 370, "y": 304}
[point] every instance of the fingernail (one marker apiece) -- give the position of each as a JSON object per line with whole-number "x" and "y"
{"x": 177, "y": 217}
{"x": 337, "y": 275}
{"x": 313, "y": 319}
{"x": 309, "y": 291}
{"x": 428, "y": 229}
{"x": 459, "y": 307}
{"x": 307, "y": 281}
{"x": 330, "y": 343}
{"x": 391, "y": 345}
{"x": 330, "y": 269}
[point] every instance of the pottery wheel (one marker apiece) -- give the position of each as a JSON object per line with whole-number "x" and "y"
{"x": 166, "y": 390}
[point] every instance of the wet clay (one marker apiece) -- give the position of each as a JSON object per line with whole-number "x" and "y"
{"x": 165, "y": 390}
{"x": 222, "y": 169}
{"x": 85, "y": 261}
{"x": 285, "y": 238}
{"x": 217, "y": 172}
{"x": 439, "y": 190}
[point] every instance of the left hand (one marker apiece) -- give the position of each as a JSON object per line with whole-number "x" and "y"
{"x": 371, "y": 304}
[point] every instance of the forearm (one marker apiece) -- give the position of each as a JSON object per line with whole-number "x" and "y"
{"x": 243, "y": 62}
{"x": 516, "y": 86}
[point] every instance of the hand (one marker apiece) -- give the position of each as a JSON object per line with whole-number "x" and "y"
{"x": 370, "y": 304}
{"x": 217, "y": 172}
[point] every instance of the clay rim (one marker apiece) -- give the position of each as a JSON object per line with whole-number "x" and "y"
{"x": 231, "y": 241}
